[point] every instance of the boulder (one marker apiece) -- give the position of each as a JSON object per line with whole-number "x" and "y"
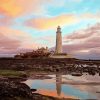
{"x": 11, "y": 89}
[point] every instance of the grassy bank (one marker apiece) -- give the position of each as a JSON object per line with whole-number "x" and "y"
{"x": 11, "y": 73}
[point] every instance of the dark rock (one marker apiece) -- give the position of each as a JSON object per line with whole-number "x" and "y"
{"x": 10, "y": 89}
{"x": 97, "y": 91}
{"x": 37, "y": 96}
{"x": 76, "y": 74}
{"x": 33, "y": 90}
{"x": 52, "y": 65}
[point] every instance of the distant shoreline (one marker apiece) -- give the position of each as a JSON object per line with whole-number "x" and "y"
{"x": 52, "y": 65}
{"x": 49, "y": 58}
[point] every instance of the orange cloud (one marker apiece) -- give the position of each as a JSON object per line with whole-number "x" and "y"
{"x": 65, "y": 19}
{"x": 19, "y": 7}
{"x": 15, "y": 7}
{"x": 10, "y": 7}
{"x": 48, "y": 23}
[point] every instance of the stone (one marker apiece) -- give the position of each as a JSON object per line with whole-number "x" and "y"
{"x": 13, "y": 89}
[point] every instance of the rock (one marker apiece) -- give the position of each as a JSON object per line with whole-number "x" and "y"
{"x": 11, "y": 89}
{"x": 76, "y": 74}
{"x": 33, "y": 90}
{"x": 37, "y": 96}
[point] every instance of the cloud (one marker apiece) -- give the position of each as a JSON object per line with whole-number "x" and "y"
{"x": 6, "y": 21}
{"x": 15, "y": 8}
{"x": 84, "y": 44}
{"x": 48, "y": 23}
{"x": 8, "y": 45}
{"x": 79, "y": 35}
{"x": 88, "y": 15}
{"x": 13, "y": 33}
{"x": 10, "y": 7}
{"x": 27, "y": 41}
{"x": 15, "y": 41}
{"x": 83, "y": 34}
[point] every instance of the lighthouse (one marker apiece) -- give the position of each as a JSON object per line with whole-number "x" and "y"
{"x": 58, "y": 41}
{"x": 58, "y": 48}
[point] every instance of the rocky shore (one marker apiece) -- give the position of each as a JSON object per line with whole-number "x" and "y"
{"x": 67, "y": 66}
{"x": 13, "y": 72}
{"x": 14, "y": 90}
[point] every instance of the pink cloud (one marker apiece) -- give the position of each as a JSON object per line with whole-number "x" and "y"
{"x": 84, "y": 45}
{"x": 79, "y": 35}
{"x": 8, "y": 44}
{"x": 85, "y": 33}
{"x": 15, "y": 41}
{"x": 5, "y": 21}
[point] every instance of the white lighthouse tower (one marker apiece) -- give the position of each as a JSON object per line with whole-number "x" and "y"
{"x": 58, "y": 41}
{"x": 58, "y": 49}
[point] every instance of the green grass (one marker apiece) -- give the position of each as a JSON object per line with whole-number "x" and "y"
{"x": 11, "y": 73}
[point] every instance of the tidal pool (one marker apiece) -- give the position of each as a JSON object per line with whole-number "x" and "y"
{"x": 66, "y": 86}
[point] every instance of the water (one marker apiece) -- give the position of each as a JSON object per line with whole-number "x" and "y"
{"x": 67, "y": 86}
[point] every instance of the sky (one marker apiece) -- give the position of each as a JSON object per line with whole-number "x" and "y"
{"x": 29, "y": 24}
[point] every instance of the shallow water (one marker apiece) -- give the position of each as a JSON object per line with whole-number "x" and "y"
{"x": 67, "y": 86}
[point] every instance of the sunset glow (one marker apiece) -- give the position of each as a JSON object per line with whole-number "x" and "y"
{"x": 29, "y": 24}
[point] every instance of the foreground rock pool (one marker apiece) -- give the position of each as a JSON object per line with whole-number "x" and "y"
{"x": 66, "y": 86}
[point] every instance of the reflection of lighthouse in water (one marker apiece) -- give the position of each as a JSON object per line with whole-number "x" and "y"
{"x": 58, "y": 84}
